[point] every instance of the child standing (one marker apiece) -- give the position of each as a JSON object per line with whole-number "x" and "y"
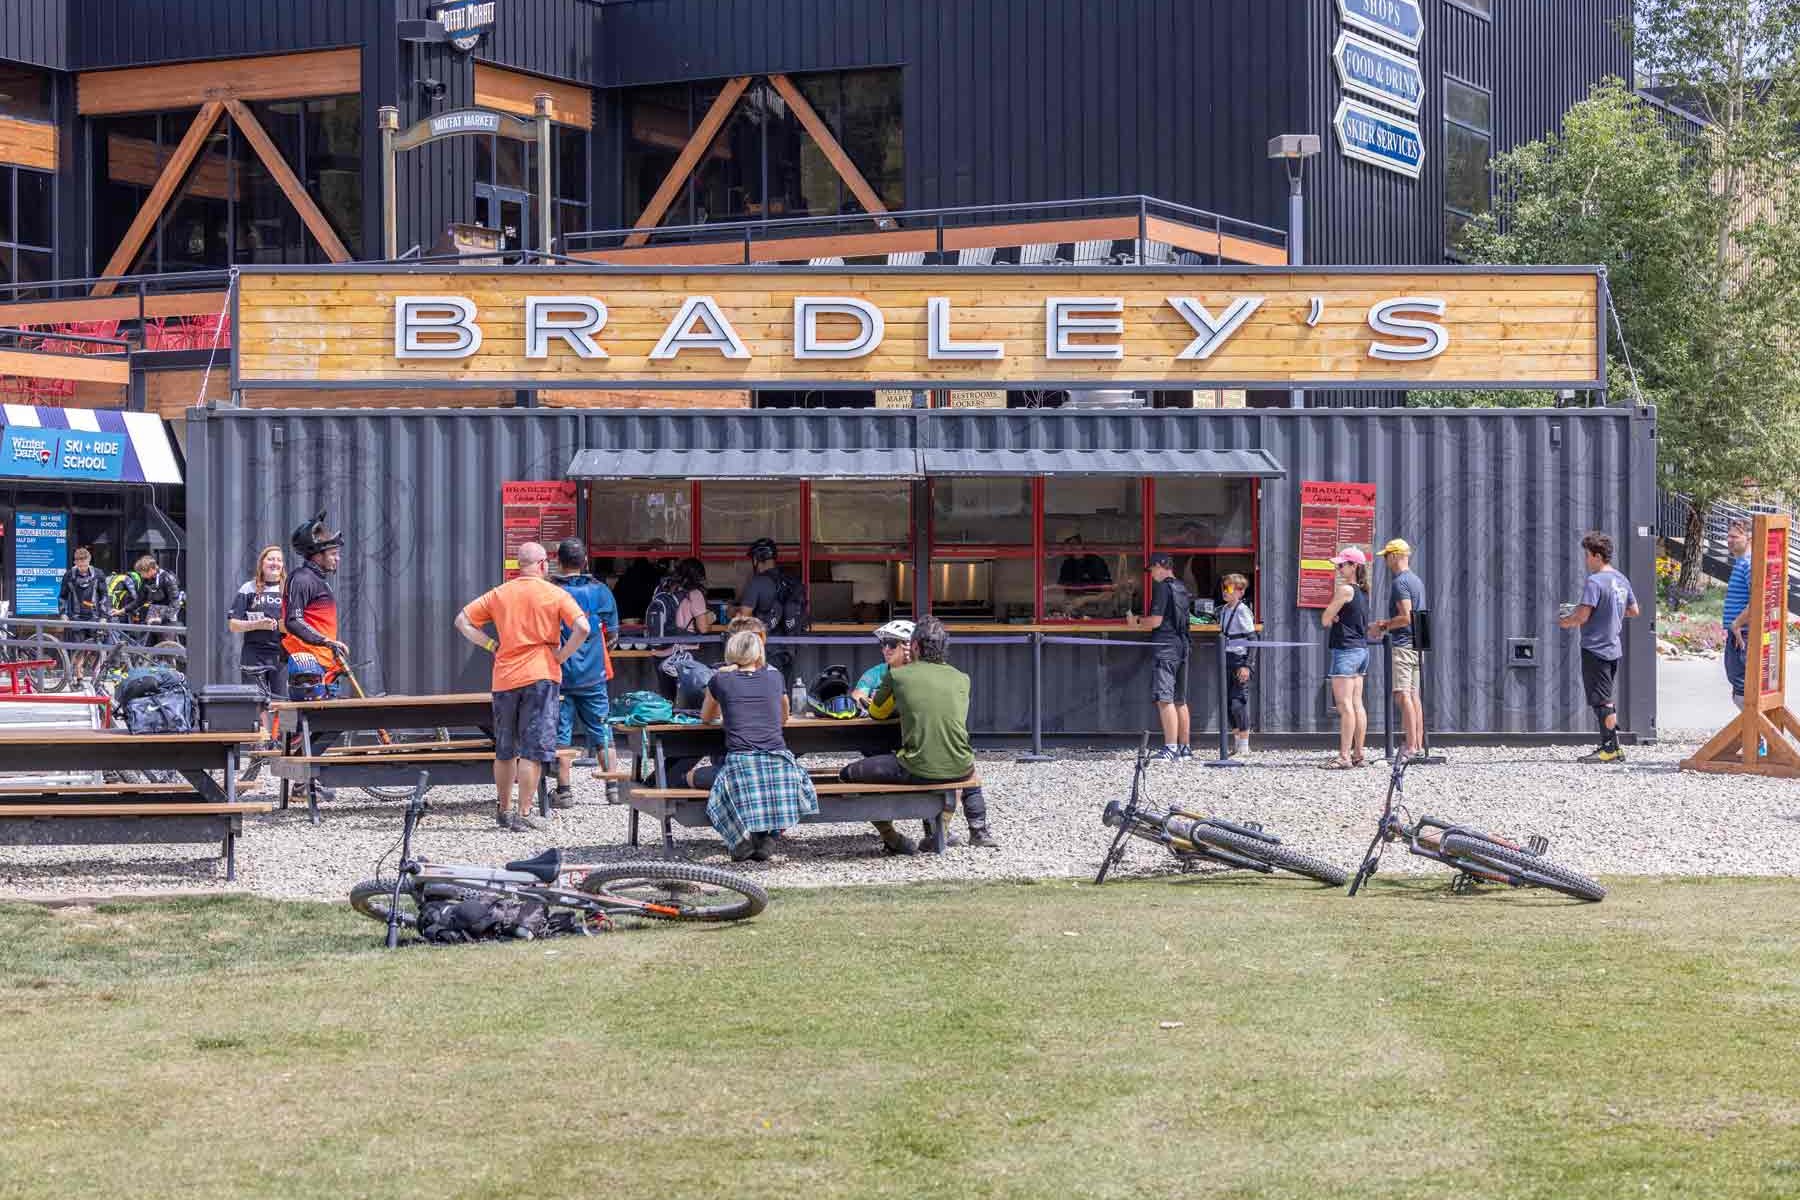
{"x": 1236, "y": 624}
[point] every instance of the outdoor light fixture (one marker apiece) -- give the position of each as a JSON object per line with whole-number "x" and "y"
{"x": 432, "y": 89}
{"x": 426, "y": 31}
{"x": 1292, "y": 150}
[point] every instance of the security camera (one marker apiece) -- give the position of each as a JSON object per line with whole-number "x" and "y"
{"x": 433, "y": 89}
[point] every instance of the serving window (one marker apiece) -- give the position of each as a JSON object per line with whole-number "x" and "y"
{"x": 1000, "y": 548}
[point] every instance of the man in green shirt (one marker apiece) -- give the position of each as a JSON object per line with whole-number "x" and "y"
{"x": 932, "y": 698}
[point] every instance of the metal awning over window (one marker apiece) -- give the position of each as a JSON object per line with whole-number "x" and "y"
{"x": 672, "y": 462}
{"x": 1255, "y": 464}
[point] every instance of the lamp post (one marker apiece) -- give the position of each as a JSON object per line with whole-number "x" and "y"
{"x": 1292, "y": 150}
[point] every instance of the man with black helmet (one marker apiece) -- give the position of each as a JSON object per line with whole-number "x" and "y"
{"x": 761, "y": 597}
{"x": 311, "y": 606}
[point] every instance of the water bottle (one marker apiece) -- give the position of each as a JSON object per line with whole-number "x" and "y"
{"x": 797, "y": 698}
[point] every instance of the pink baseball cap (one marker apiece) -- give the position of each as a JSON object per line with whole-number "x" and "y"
{"x": 1350, "y": 554}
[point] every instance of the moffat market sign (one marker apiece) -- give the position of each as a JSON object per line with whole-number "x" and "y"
{"x": 749, "y": 327}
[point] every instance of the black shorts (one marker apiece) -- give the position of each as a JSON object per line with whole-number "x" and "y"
{"x": 1597, "y": 678}
{"x": 525, "y": 722}
{"x": 1169, "y": 676}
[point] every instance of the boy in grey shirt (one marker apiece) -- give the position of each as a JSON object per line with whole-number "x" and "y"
{"x": 1606, "y": 600}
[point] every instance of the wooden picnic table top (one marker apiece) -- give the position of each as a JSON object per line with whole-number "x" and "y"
{"x": 201, "y": 808}
{"x": 352, "y": 703}
{"x": 27, "y": 738}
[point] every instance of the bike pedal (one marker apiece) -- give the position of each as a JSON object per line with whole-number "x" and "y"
{"x": 1253, "y": 826}
{"x": 1537, "y": 844}
{"x": 1462, "y": 884}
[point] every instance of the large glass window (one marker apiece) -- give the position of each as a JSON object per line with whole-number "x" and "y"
{"x": 861, "y": 551}
{"x": 1093, "y": 547}
{"x": 26, "y": 94}
{"x": 506, "y": 185}
{"x": 762, "y": 162}
{"x": 1209, "y": 527}
{"x": 983, "y": 550}
{"x": 640, "y": 515}
{"x": 229, "y": 208}
{"x": 25, "y": 228}
{"x": 981, "y": 512}
{"x": 1468, "y": 146}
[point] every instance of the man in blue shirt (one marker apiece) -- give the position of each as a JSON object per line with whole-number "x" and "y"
{"x": 1737, "y": 609}
{"x": 1606, "y": 600}
{"x": 585, "y": 673}
{"x": 896, "y": 651}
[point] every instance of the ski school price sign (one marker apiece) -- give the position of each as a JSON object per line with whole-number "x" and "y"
{"x": 738, "y": 327}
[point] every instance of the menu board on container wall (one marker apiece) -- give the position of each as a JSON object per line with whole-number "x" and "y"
{"x": 1774, "y": 630}
{"x": 40, "y": 556}
{"x": 535, "y": 512}
{"x": 1332, "y": 516}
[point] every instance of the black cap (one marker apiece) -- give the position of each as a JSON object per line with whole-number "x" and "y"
{"x": 571, "y": 553}
{"x": 1162, "y": 558}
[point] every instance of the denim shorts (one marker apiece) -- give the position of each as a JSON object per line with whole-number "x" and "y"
{"x": 1736, "y": 660}
{"x": 1346, "y": 663}
{"x": 589, "y": 708}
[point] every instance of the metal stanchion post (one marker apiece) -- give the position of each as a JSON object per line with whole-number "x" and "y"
{"x": 1036, "y": 753}
{"x": 1224, "y": 759}
{"x": 1422, "y": 643}
{"x": 1387, "y": 710}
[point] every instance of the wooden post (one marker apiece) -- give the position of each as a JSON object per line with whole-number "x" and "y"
{"x": 1765, "y": 721}
{"x": 387, "y": 118}
{"x": 543, "y": 104}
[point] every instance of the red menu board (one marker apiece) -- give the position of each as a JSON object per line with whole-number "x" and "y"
{"x": 1774, "y": 630}
{"x": 535, "y": 512}
{"x": 1332, "y": 516}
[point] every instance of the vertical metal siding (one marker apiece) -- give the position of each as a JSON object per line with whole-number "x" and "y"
{"x": 35, "y": 32}
{"x": 558, "y": 38}
{"x": 1494, "y": 501}
{"x": 122, "y": 33}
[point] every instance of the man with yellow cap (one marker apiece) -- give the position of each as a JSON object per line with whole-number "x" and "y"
{"x": 1406, "y": 596}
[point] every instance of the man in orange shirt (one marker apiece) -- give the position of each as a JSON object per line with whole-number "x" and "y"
{"x": 528, "y": 614}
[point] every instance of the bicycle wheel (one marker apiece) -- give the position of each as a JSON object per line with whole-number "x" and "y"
{"x": 51, "y": 679}
{"x": 1547, "y": 873}
{"x": 175, "y": 662}
{"x": 1276, "y": 856}
{"x": 680, "y": 891}
{"x": 390, "y": 793}
{"x": 373, "y": 898}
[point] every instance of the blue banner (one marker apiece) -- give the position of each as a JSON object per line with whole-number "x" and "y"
{"x": 62, "y": 454}
{"x": 1400, "y": 21}
{"x": 1373, "y": 70}
{"x": 40, "y": 556}
{"x": 1372, "y": 136}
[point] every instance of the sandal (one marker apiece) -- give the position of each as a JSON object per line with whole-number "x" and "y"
{"x": 1336, "y": 764}
{"x": 1359, "y": 761}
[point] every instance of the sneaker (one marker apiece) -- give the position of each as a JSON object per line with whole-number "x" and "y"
{"x": 1184, "y": 752}
{"x": 951, "y": 841}
{"x": 524, "y": 821}
{"x": 1605, "y": 754}
{"x": 1166, "y": 754}
{"x": 981, "y": 837}
{"x": 504, "y": 819}
{"x": 899, "y": 844}
{"x": 744, "y": 850}
{"x": 563, "y": 797}
{"x": 761, "y": 847}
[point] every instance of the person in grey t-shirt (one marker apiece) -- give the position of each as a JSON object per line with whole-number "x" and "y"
{"x": 1606, "y": 600}
{"x": 1406, "y": 596}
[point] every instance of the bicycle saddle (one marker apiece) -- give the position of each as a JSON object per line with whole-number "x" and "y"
{"x": 546, "y": 866}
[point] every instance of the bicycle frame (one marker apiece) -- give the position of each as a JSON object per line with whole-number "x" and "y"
{"x": 1425, "y": 838}
{"x": 1173, "y": 830}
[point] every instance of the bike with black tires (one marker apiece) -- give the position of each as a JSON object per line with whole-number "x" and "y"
{"x": 589, "y": 897}
{"x": 1477, "y": 856}
{"x": 1194, "y": 838}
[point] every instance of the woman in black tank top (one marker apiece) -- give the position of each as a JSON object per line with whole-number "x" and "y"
{"x": 1348, "y": 620}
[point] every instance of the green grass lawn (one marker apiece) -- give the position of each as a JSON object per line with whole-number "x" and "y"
{"x": 954, "y": 1041}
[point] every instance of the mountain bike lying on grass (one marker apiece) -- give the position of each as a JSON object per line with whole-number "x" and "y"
{"x": 1478, "y": 857}
{"x": 1194, "y": 838}
{"x": 545, "y": 895}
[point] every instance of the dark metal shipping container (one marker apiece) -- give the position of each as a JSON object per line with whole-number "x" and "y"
{"x": 1494, "y": 501}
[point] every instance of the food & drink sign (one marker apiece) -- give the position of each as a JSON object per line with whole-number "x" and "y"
{"x": 1332, "y": 516}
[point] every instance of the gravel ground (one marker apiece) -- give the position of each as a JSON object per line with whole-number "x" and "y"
{"x": 1643, "y": 817}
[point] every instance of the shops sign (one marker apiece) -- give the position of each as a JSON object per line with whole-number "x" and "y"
{"x": 1380, "y": 139}
{"x": 467, "y": 22}
{"x": 1372, "y": 70}
{"x": 61, "y": 453}
{"x": 1401, "y": 21}
{"x": 870, "y": 328}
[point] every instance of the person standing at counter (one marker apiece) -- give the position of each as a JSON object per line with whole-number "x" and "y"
{"x": 586, "y": 674}
{"x": 1169, "y": 606}
{"x": 1237, "y": 624}
{"x": 1347, "y": 617}
{"x": 1406, "y": 596}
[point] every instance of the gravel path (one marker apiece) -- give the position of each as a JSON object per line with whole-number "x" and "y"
{"x": 1643, "y": 817}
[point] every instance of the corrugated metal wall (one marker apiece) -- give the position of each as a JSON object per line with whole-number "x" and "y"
{"x": 129, "y": 33}
{"x": 35, "y": 32}
{"x": 1495, "y": 502}
{"x": 558, "y": 38}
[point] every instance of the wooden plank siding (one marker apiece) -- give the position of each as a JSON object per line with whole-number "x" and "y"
{"x": 275, "y": 77}
{"x": 28, "y": 144}
{"x": 515, "y": 92}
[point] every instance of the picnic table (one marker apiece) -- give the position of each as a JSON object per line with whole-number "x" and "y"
{"x": 201, "y": 809}
{"x": 839, "y": 803}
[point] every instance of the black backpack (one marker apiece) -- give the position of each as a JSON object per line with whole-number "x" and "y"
{"x": 793, "y": 615}
{"x": 660, "y": 618}
{"x": 1182, "y": 601}
{"x": 475, "y": 917}
{"x": 156, "y": 700}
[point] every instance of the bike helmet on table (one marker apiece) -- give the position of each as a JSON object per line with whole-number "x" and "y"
{"x": 829, "y": 695}
{"x": 314, "y": 537}
{"x": 306, "y": 677}
{"x": 895, "y": 631}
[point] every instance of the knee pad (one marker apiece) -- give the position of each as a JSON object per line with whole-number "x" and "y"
{"x": 1604, "y": 711}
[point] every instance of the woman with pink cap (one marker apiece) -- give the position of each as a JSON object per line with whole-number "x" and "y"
{"x": 1347, "y": 618}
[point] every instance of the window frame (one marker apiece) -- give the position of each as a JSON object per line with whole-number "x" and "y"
{"x": 1487, "y": 135}
{"x": 9, "y": 236}
{"x": 1468, "y": 6}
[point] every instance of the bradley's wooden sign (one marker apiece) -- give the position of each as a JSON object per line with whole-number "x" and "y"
{"x": 757, "y": 326}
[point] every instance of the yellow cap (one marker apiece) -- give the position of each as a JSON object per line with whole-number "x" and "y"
{"x": 1396, "y": 546}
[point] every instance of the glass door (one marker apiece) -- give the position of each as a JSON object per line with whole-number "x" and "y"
{"x": 507, "y": 210}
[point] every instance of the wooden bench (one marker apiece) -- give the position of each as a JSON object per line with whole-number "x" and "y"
{"x": 839, "y": 804}
{"x": 397, "y": 767}
{"x": 83, "y": 816}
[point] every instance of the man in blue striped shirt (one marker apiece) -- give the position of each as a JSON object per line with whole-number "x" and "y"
{"x": 1737, "y": 609}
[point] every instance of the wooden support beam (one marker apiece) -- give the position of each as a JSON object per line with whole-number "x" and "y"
{"x": 28, "y": 143}
{"x": 31, "y": 365}
{"x": 689, "y": 158}
{"x": 273, "y": 77}
{"x": 834, "y": 153}
{"x": 160, "y": 195}
{"x": 113, "y": 308}
{"x": 285, "y": 179}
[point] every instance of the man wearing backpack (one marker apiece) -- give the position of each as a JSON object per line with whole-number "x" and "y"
{"x": 1169, "y": 607}
{"x": 585, "y": 675}
{"x": 775, "y": 599}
